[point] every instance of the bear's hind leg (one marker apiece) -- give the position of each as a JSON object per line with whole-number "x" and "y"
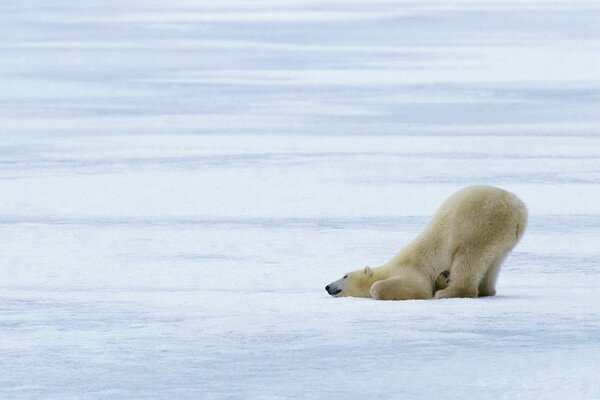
{"x": 466, "y": 271}
{"x": 399, "y": 289}
{"x": 487, "y": 286}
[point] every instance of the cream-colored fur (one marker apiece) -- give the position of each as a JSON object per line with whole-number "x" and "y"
{"x": 470, "y": 236}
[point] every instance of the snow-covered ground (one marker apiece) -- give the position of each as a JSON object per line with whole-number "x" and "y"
{"x": 179, "y": 180}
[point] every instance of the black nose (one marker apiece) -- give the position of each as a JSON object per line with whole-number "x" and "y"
{"x": 327, "y": 288}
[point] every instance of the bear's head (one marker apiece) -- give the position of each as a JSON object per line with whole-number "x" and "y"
{"x": 355, "y": 284}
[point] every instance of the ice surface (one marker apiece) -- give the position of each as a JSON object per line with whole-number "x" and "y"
{"x": 179, "y": 180}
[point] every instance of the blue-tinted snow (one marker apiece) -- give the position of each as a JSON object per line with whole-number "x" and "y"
{"x": 179, "y": 180}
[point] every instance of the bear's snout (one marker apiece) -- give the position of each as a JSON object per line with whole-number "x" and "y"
{"x": 332, "y": 290}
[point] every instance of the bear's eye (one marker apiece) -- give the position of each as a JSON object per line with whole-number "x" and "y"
{"x": 345, "y": 276}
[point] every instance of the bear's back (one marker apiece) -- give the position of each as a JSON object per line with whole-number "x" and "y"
{"x": 477, "y": 216}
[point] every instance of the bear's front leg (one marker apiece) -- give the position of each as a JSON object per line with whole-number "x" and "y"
{"x": 398, "y": 289}
{"x": 442, "y": 281}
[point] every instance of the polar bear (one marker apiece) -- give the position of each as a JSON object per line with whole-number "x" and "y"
{"x": 459, "y": 252}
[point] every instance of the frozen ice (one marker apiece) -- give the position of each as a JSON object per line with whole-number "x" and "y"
{"x": 179, "y": 181}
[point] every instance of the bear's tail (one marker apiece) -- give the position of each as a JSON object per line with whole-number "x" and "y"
{"x": 521, "y": 216}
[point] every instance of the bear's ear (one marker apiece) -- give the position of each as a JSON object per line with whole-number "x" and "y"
{"x": 368, "y": 271}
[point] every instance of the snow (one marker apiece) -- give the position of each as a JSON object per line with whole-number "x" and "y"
{"x": 180, "y": 180}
